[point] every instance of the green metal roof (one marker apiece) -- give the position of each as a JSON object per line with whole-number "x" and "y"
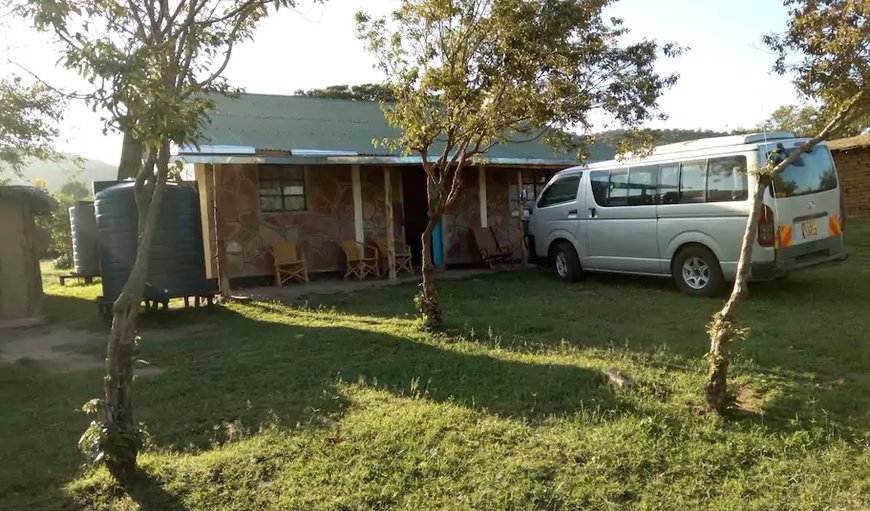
{"x": 297, "y": 123}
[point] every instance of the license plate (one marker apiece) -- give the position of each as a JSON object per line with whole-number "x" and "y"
{"x": 809, "y": 228}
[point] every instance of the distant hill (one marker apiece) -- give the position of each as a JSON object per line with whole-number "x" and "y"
{"x": 660, "y": 136}
{"x": 59, "y": 173}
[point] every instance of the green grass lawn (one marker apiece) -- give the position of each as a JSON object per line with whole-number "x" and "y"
{"x": 343, "y": 404}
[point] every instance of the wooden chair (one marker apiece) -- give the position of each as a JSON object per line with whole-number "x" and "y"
{"x": 403, "y": 254}
{"x": 289, "y": 262}
{"x": 491, "y": 250}
{"x": 359, "y": 263}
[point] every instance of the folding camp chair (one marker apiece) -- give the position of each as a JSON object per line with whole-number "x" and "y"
{"x": 491, "y": 250}
{"x": 403, "y": 254}
{"x": 289, "y": 262}
{"x": 360, "y": 261}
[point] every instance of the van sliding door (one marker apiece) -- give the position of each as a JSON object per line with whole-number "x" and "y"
{"x": 621, "y": 220}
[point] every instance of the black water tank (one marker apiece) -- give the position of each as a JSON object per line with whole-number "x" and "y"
{"x": 176, "y": 264}
{"x": 85, "y": 240}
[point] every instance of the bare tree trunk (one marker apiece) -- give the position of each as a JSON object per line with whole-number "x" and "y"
{"x": 117, "y": 412}
{"x": 722, "y": 330}
{"x": 131, "y": 157}
{"x": 220, "y": 244}
{"x": 428, "y": 303}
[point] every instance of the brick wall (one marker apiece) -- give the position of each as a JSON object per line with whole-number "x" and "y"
{"x": 853, "y": 166}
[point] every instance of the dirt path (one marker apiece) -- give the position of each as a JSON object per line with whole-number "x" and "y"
{"x": 58, "y": 346}
{"x": 55, "y": 346}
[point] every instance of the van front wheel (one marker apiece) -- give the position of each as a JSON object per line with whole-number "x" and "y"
{"x": 565, "y": 263}
{"x": 697, "y": 273}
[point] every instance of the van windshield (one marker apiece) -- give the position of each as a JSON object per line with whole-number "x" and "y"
{"x": 812, "y": 173}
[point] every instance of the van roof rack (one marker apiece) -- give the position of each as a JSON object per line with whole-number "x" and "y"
{"x": 704, "y": 143}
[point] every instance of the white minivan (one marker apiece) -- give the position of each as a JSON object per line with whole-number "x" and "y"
{"x": 681, "y": 212}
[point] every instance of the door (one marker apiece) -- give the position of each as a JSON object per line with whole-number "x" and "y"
{"x": 806, "y": 198}
{"x": 556, "y": 214}
{"x": 416, "y": 214}
{"x": 621, "y": 233}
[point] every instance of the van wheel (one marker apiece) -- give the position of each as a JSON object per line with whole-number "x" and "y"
{"x": 565, "y": 263}
{"x": 697, "y": 273}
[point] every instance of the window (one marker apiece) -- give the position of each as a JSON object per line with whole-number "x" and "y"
{"x": 282, "y": 187}
{"x": 621, "y": 187}
{"x": 600, "y": 180}
{"x": 617, "y": 194}
{"x": 692, "y": 181}
{"x": 813, "y": 172}
{"x": 669, "y": 183}
{"x": 533, "y": 183}
{"x": 563, "y": 190}
{"x": 610, "y": 187}
{"x": 642, "y": 185}
{"x": 672, "y": 183}
{"x": 726, "y": 179}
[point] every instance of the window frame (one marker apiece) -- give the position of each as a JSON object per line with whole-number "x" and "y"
{"x": 577, "y": 177}
{"x": 681, "y": 199}
{"x": 284, "y": 182}
{"x": 676, "y": 193}
{"x": 537, "y": 187}
{"x": 745, "y": 178}
{"x": 654, "y": 169}
{"x": 625, "y": 199}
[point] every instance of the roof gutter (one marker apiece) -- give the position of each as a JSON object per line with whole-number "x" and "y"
{"x": 233, "y": 159}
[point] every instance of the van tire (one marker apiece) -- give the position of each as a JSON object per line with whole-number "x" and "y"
{"x": 696, "y": 272}
{"x": 565, "y": 263}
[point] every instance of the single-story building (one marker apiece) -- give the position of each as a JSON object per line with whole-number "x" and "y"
{"x": 852, "y": 157}
{"x": 20, "y": 277}
{"x": 306, "y": 169}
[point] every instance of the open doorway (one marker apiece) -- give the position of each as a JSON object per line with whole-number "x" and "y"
{"x": 416, "y": 214}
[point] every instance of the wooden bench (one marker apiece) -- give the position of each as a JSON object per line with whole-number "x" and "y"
{"x": 88, "y": 279}
{"x": 491, "y": 250}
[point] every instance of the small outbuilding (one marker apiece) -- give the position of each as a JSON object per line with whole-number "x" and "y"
{"x": 20, "y": 278}
{"x": 852, "y": 156}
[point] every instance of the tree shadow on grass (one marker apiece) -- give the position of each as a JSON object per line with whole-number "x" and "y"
{"x": 148, "y": 493}
{"x": 258, "y": 370}
{"x": 71, "y": 311}
{"x": 145, "y": 490}
{"x": 808, "y": 324}
{"x": 41, "y": 421}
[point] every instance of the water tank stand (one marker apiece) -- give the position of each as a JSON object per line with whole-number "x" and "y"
{"x": 206, "y": 300}
{"x": 88, "y": 279}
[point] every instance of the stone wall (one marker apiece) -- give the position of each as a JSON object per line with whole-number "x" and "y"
{"x": 458, "y": 246}
{"x": 320, "y": 229}
{"x": 506, "y": 226}
{"x": 458, "y": 242}
{"x": 853, "y": 167}
{"x": 374, "y": 205}
{"x": 329, "y": 216}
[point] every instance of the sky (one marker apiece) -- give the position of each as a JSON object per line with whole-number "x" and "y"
{"x": 725, "y": 78}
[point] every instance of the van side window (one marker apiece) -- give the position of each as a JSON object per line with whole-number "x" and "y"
{"x": 618, "y": 193}
{"x": 669, "y": 183}
{"x": 563, "y": 190}
{"x": 642, "y": 185}
{"x": 693, "y": 178}
{"x": 600, "y": 180}
{"x": 726, "y": 179}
